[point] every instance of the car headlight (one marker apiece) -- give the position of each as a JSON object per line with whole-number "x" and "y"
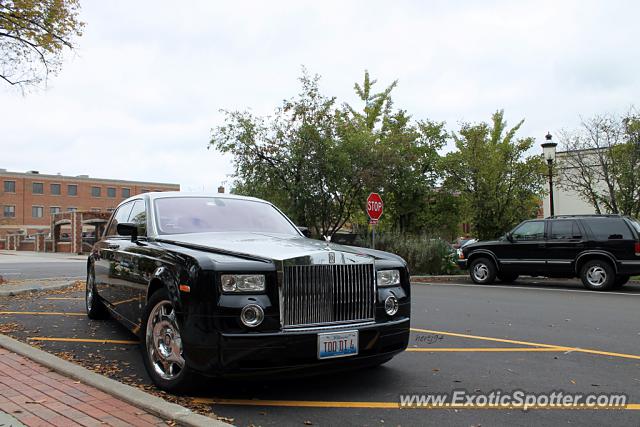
{"x": 388, "y": 278}
{"x": 243, "y": 282}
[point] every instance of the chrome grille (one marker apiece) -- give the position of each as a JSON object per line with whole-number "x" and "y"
{"x": 320, "y": 294}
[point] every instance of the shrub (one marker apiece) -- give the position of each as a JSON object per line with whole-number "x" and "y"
{"x": 424, "y": 254}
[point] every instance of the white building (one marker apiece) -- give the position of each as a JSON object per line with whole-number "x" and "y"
{"x": 566, "y": 202}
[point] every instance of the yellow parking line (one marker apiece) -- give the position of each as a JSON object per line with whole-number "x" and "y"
{"x": 90, "y": 340}
{"x": 533, "y": 344}
{"x": 486, "y": 349}
{"x": 41, "y": 313}
{"x": 476, "y": 337}
{"x": 605, "y": 353}
{"x": 299, "y": 403}
{"x": 384, "y": 405}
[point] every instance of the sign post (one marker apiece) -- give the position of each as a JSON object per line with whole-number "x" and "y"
{"x": 374, "y": 210}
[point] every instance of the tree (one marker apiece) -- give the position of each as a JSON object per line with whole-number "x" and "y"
{"x": 308, "y": 158}
{"x": 33, "y": 36}
{"x": 602, "y": 163}
{"x": 498, "y": 185}
{"x": 405, "y": 153}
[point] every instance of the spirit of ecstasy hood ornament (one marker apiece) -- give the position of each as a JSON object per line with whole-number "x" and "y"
{"x": 327, "y": 240}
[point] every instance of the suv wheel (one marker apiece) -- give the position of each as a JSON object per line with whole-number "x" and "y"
{"x": 482, "y": 271}
{"x": 597, "y": 275}
{"x": 507, "y": 277}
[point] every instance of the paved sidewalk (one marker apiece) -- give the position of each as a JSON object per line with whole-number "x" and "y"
{"x": 37, "y": 396}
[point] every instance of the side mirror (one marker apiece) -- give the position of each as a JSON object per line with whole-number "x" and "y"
{"x": 510, "y": 237}
{"x": 128, "y": 229}
{"x": 305, "y": 231}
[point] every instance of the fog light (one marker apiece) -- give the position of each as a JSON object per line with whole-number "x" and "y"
{"x": 391, "y": 305}
{"x": 252, "y": 315}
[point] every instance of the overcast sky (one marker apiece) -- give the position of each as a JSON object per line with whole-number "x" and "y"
{"x": 139, "y": 97}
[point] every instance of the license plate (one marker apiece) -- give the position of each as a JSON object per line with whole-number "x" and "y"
{"x": 337, "y": 344}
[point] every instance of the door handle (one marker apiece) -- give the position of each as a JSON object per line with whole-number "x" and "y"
{"x": 542, "y": 245}
{"x": 113, "y": 246}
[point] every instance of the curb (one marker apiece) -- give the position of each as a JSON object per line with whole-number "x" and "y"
{"x": 467, "y": 279}
{"x": 26, "y": 288}
{"x": 131, "y": 395}
{"x": 426, "y": 279}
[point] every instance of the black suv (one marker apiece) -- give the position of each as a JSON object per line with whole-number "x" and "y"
{"x": 603, "y": 250}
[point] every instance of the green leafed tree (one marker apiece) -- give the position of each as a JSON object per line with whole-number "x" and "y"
{"x": 308, "y": 157}
{"x": 405, "y": 154}
{"x": 33, "y": 37}
{"x": 498, "y": 184}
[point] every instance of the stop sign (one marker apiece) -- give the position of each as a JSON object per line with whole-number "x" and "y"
{"x": 374, "y": 206}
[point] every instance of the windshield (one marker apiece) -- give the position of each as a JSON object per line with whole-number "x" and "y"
{"x": 179, "y": 215}
{"x": 636, "y": 224}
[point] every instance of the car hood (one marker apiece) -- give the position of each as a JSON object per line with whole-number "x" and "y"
{"x": 271, "y": 246}
{"x": 482, "y": 243}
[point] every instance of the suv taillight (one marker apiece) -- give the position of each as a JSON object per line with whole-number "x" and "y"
{"x": 637, "y": 248}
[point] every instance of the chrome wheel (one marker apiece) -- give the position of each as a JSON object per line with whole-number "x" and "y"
{"x": 596, "y": 276}
{"x": 480, "y": 272}
{"x": 164, "y": 344}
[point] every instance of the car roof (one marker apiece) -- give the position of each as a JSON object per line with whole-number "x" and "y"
{"x": 586, "y": 216}
{"x": 155, "y": 195}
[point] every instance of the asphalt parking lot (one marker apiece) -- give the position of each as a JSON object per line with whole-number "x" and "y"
{"x": 536, "y": 337}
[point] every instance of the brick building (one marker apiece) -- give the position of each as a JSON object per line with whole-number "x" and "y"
{"x": 27, "y": 200}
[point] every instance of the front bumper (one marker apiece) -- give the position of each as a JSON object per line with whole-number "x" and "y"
{"x": 462, "y": 263}
{"x": 294, "y": 352}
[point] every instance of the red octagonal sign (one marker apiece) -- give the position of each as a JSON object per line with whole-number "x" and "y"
{"x": 374, "y": 206}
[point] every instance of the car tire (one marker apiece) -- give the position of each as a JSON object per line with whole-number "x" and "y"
{"x": 597, "y": 275}
{"x": 94, "y": 305}
{"x": 507, "y": 277}
{"x": 621, "y": 280}
{"x": 162, "y": 348}
{"x": 482, "y": 271}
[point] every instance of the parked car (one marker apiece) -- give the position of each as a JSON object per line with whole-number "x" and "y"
{"x": 603, "y": 250}
{"x": 229, "y": 286}
{"x": 462, "y": 241}
{"x": 462, "y": 245}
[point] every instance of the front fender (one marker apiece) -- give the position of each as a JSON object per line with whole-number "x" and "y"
{"x": 165, "y": 277}
{"x": 483, "y": 252}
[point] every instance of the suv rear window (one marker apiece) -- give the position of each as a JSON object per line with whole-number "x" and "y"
{"x": 634, "y": 222}
{"x": 609, "y": 229}
{"x": 565, "y": 229}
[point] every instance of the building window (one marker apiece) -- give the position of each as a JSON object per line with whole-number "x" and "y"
{"x": 111, "y": 192}
{"x": 144, "y": 190}
{"x": 55, "y": 189}
{"x": 96, "y": 191}
{"x": 126, "y": 192}
{"x": 95, "y": 209}
{"x": 9, "y": 186}
{"x": 9, "y": 211}
{"x": 110, "y": 210}
{"x": 72, "y": 190}
{"x": 37, "y": 188}
{"x": 54, "y": 210}
{"x": 37, "y": 211}
{"x": 70, "y": 209}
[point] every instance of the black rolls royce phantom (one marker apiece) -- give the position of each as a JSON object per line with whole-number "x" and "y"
{"x": 222, "y": 285}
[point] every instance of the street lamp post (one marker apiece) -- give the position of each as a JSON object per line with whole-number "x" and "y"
{"x": 549, "y": 150}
